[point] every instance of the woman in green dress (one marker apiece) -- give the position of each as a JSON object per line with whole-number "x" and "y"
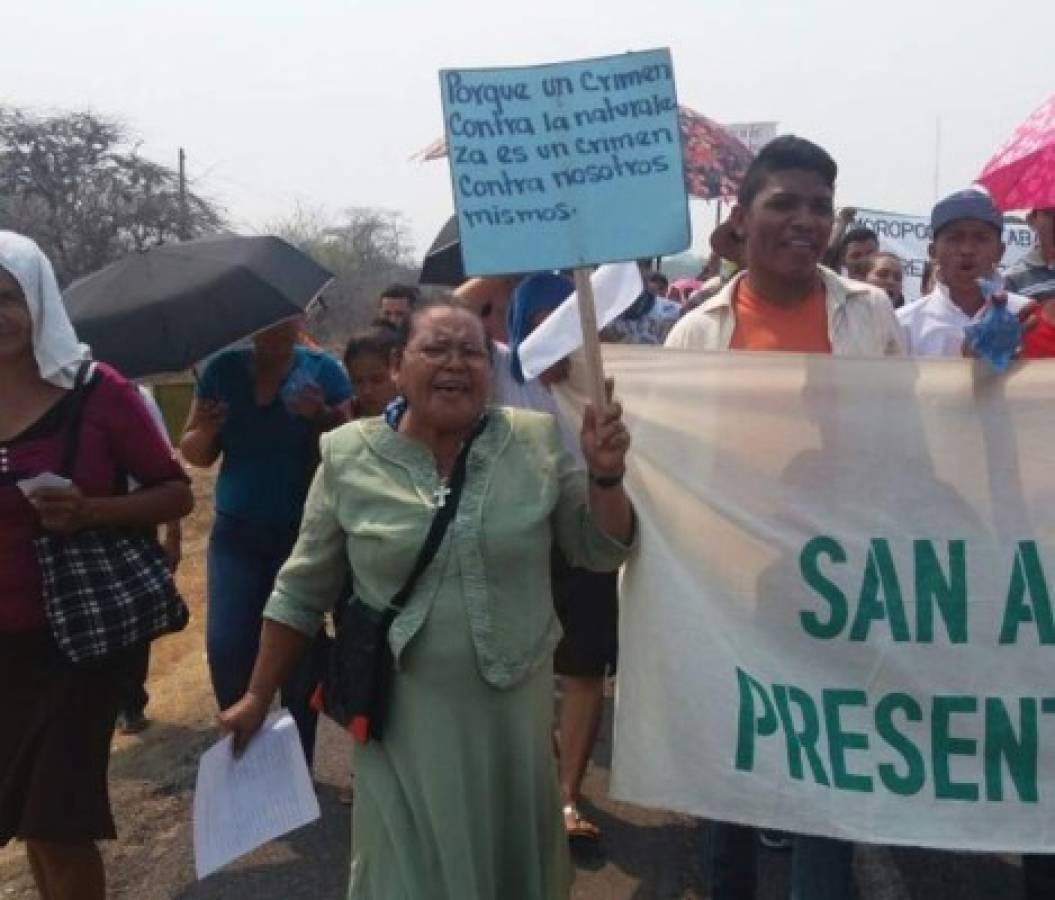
{"x": 459, "y": 798}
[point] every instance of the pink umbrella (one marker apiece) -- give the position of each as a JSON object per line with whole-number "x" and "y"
{"x": 1022, "y": 174}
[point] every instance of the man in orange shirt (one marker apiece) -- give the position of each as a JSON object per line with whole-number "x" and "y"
{"x": 787, "y": 301}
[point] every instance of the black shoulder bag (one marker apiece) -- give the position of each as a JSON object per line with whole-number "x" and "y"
{"x": 355, "y": 689}
{"x": 104, "y": 589}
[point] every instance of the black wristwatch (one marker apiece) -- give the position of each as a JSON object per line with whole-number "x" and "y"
{"x": 606, "y": 481}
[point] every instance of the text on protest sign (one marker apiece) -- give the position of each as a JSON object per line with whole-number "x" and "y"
{"x": 566, "y": 165}
{"x": 839, "y": 617}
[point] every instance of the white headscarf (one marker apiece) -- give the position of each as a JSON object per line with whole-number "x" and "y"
{"x": 55, "y": 344}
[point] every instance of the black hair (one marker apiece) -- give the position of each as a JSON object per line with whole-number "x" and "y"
{"x": 449, "y": 302}
{"x": 402, "y": 292}
{"x": 380, "y": 339}
{"x": 658, "y": 276}
{"x": 781, "y": 154}
{"x": 856, "y": 235}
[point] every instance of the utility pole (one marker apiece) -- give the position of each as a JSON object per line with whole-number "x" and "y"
{"x": 184, "y": 230}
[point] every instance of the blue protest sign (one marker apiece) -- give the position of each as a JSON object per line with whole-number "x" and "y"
{"x": 566, "y": 165}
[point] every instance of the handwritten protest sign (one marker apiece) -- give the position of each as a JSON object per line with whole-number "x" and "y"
{"x": 566, "y": 165}
{"x": 839, "y": 620}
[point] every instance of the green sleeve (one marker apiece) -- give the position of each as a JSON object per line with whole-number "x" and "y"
{"x": 309, "y": 583}
{"x": 583, "y": 543}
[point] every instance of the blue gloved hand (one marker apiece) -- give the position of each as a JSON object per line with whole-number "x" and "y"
{"x": 996, "y": 338}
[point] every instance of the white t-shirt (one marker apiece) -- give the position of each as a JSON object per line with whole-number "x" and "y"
{"x": 934, "y": 325}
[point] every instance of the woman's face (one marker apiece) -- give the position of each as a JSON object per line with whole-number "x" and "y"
{"x": 16, "y": 325}
{"x": 886, "y": 273}
{"x": 371, "y": 376}
{"x": 445, "y": 371}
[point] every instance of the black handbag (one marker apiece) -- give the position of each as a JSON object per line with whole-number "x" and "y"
{"x": 355, "y": 688}
{"x": 105, "y": 590}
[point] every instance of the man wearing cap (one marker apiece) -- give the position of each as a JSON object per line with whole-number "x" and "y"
{"x": 967, "y": 244}
{"x": 1034, "y": 275}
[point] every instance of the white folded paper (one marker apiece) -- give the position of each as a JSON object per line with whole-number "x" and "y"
{"x": 44, "y": 480}
{"x": 615, "y": 287}
{"x": 240, "y": 804}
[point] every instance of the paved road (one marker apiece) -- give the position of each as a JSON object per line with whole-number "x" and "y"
{"x": 645, "y": 855}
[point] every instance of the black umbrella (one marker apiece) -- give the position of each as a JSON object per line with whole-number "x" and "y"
{"x": 166, "y": 308}
{"x": 443, "y": 262}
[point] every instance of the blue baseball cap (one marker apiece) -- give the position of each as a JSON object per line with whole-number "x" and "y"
{"x": 969, "y": 204}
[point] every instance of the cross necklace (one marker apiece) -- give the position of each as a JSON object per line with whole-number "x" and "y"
{"x": 440, "y": 495}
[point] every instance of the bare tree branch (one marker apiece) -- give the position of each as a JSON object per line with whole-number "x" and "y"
{"x": 77, "y": 184}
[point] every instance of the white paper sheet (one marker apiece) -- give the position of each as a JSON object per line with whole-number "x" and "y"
{"x": 615, "y": 287}
{"x": 240, "y": 804}
{"x": 42, "y": 481}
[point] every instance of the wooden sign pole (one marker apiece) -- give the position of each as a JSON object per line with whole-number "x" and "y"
{"x": 591, "y": 341}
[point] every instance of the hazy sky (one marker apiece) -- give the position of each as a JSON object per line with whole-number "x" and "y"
{"x": 321, "y": 102}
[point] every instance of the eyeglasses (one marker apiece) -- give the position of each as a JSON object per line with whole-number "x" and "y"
{"x": 443, "y": 354}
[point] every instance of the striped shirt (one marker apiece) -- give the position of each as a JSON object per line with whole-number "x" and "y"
{"x": 1031, "y": 277}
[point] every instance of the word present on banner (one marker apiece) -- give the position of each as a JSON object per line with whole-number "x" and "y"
{"x": 566, "y": 165}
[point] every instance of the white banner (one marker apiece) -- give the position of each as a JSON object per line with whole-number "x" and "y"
{"x": 909, "y": 236}
{"x": 753, "y": 135}
{"x": 839, "y": 620}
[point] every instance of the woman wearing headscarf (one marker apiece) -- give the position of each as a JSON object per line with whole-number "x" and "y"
{"x": 586, "y": 602}
{"x": 58, "y": 719}
{"x": 458, "y": 799}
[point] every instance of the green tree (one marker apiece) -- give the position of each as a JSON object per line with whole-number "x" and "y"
{"x": 77, "y": 184}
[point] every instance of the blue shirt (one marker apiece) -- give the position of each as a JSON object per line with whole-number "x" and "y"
{"x": 269, "y": 453}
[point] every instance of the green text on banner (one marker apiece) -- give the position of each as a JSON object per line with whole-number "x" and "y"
{"x": 840, "y": 617}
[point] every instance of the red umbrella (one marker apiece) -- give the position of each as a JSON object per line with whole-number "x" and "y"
{"x": 715, "y": 159}
{"x": 1022, "y": 174}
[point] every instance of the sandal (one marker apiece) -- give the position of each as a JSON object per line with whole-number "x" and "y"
{"x": 578, "y": 828}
